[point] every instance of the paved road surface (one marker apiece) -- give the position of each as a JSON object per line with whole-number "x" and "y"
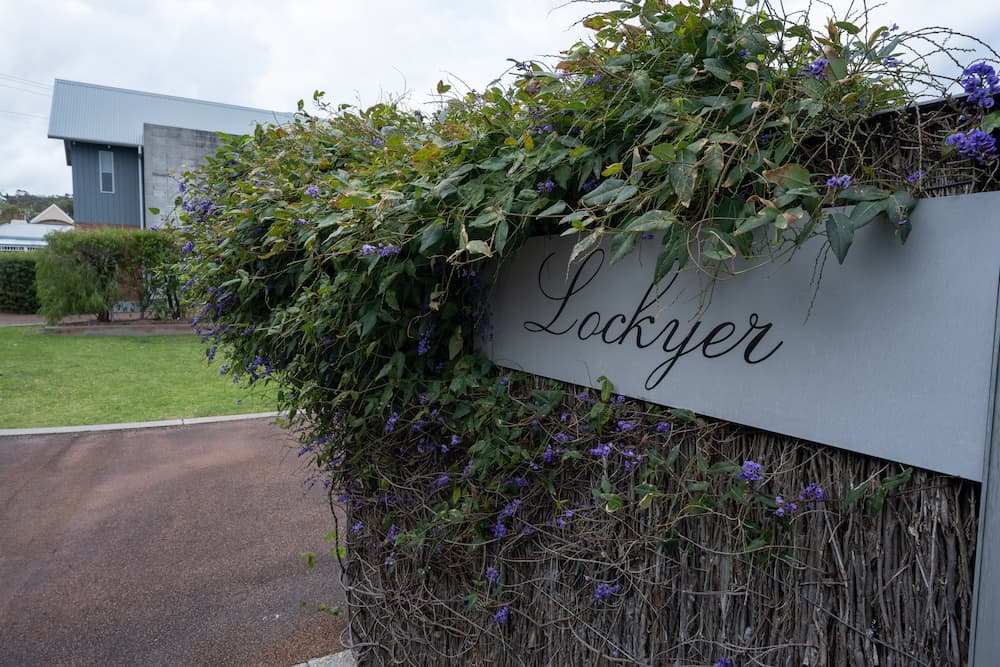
{"x": 169, "y": 546}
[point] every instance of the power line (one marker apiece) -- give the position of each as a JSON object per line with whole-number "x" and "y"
{"x": 27, "y": 115}
{"x": 25, "y": 90}
{"x": 30, "y": 82}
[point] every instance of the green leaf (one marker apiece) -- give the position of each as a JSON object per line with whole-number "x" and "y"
{"x": 714, "y": 163}
{"x": 682, "y": 179}
{"x": 442, "y": 87}
{"x": 555, "y": 209}
{"x": 665, "y": 152}
{"x": 621, "y": 245}
{"x": 894, "y": 482}
{"x": 651, "y": 221}
{"x": 612, "y": 169}
{"x": 718, "y": 69}
{"x": 877, "y": 500}
{"x": 848, "y": 27}
{"x": 866, "y": 211}
{"x": 606, "y": 388}
{"x": 486, "y": 219}
{"x": 479, "y": 248}
{"x": 603, "y": 193}
{"x": 455, "y": 343}
{"x": 840, "y": 234}
{"x": 862, "y": 193}
{"x": 431, "y": 236}
{"x": 613, "y": 502}
{"x": 640, "y": 80}
{"x": 583, "y": 245}
{"x": 990, "y": 122}
{"x": 856, "y": 493}
{"x": 789, "y": 176}
{"x": 697, "y": 487}
{"x": 899, "y": 205}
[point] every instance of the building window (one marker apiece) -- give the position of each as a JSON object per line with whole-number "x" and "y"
{"x": 107, "y": 162}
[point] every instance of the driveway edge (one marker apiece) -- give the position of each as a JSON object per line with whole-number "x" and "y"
{"x": 52, "y": 430}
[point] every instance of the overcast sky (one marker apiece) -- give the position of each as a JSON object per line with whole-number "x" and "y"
{"x": 271, "y": 54}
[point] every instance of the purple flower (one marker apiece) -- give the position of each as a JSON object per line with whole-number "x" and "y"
{"x": 980, "y": 81}
{"x": 545, "y": 186}
{"x": 492, "y": 574}
{"x": 811, "y": 495}
{"x": 377, "y": 142}
{"x": 388, "y": 250}
{"x": 424, "y": 344}
{"x": 501, "y": 616}
{"x": 312, "y": 191}
{"x": 499, "y": 530}
{"x": 625, "y": 426}
{"x": 440, "y": 482}
{"x": 358, "y": 527}
{"x": 301, "y": 221}
{"x": 744, "y": 53}
{"x": 975, "y": 144}
{"x": 723, "y": 662}
{"x": 751, "y": 471}
{"x": 187, "y": 247}
{"x": 817, "y": 69}
{"x": 785, "y": 508}
{"x": 916, "y": 176}
{"x": 390, "y": 424}
{"x": 368, "y": 249}
{"x": 663, "y": 427}
{"x": 839, "y": 181}
{"x": 510, "y": 509}
{"x": 467, "y": 470}
{"x": 602, "y": 450}
{"x": 604, "y": 590}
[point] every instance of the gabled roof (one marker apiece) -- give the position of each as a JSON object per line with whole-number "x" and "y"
{"x": 53, "y": 214}
{"x": 104, "y": 115}
{"x": 20, "y": 232}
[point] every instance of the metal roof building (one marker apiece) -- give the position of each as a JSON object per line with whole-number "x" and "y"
{"x": 129, "y": 148}
{"x": 96, "y": 114}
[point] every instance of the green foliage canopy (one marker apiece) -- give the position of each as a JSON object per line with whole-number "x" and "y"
{"x": 89, "y": 271}
{"x": 342, "y": 255}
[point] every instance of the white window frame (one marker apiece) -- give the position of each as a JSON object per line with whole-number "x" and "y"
{"x": 110, "y": 157}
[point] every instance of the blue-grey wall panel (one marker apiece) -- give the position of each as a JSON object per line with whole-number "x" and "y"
{"x": 90, "y": 204}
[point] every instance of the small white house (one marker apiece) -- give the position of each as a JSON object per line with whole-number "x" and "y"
{"x": 21, "y": 235}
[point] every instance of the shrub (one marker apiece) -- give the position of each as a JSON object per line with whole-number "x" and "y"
{"x": 345, "y": 258}
{"x": 17, "y": 283}
{"x": 89, "y": 271}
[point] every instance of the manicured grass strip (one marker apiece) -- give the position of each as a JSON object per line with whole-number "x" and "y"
{"x": 57, "y": 380}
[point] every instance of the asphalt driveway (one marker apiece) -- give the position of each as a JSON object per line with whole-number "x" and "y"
{"x": 166, "y": 546}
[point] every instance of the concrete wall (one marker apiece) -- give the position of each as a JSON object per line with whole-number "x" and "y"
{"x": 90, "y": 205}
{"x": 167, "y": 153}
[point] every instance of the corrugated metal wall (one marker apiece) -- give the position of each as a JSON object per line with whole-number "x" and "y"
{"x": 92, "y": 205}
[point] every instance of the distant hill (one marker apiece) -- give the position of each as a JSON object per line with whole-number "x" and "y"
{"x": 23, "y": 205}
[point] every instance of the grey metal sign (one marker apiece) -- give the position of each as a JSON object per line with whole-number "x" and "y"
{"x": 891, "y": 355}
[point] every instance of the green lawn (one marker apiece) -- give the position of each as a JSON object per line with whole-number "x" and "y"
{"x": 58, "y": 380}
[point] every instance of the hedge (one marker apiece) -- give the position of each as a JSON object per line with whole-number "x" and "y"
{"x": 89, "y": 271}
{"x": 17, "y": 283}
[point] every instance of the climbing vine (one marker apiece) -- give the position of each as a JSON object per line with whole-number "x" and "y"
{"x": 345, "y": 256}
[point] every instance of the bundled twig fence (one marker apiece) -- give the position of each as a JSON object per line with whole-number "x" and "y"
{"x": 685, "y": 582}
